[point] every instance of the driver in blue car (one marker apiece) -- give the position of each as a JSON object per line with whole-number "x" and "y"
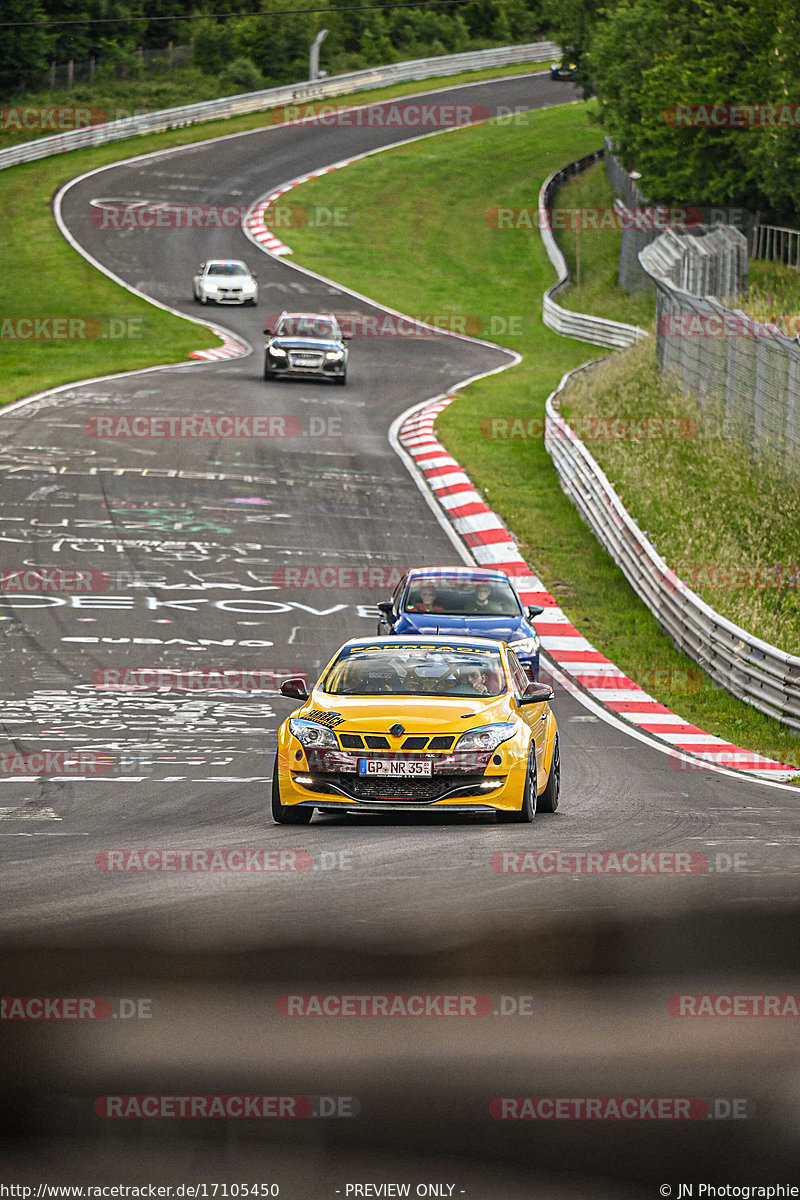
{"x": 426, "y": 601}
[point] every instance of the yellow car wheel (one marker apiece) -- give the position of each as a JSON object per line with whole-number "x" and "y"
{"x": 286, "y": 814}
{"x": 548, "y": 801}
{"x": 525, "y": 814}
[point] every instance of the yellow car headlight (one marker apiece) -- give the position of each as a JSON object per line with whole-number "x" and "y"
{"x": 309, "y": 733}
{"x": 486, "y": 737}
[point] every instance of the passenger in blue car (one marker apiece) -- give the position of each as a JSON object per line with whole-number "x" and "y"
{"x": 486, "y": 603}
{"x": 425, "y": 602}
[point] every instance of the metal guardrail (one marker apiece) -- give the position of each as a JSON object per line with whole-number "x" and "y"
{"x": 777, "y": 244}
{"x": 752, "y": 670}
{"x": 232, "y": 106}
{"x": 583, "y": 326}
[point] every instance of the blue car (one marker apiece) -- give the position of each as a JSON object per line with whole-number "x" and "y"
{"x": 470, "y": 601}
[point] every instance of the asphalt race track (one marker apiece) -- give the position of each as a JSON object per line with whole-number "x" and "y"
{"x": 194, "y": 534}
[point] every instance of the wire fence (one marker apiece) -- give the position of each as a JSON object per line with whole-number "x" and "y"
{"x": 67, "y": 74}
{"x": 622, "y": 182}
{"x": 745, "y": 370}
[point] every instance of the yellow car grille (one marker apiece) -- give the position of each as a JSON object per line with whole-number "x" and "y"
{"x": 376, "y": 741}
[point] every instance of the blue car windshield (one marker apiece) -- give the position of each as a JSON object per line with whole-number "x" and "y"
{"x": 462, "y": 596}
{"x": 416, "y": 671}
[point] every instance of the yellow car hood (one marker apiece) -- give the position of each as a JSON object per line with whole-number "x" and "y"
{"x": 417, "y": 714}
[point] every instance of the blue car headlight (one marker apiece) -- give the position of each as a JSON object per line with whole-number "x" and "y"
{"x": 309, "y": 733}
{"x": 486, "y": 737}
{"x": 527, "y": 645}
{"x": 276, "y": 352}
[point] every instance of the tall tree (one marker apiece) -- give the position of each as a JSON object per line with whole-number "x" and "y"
{"x": 24, "y": 49}
{"x": 675, "y": 83}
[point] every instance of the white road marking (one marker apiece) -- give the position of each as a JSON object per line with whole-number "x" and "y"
{"x": 24, "y": 813}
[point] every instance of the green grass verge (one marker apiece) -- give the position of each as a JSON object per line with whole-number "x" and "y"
{"x": 44, "y": 279}
{"x": 731, "y": 529}
{"x": 425, "y": 206}
{"x": 773, "y": 294}
{"x": 595, "y": 289}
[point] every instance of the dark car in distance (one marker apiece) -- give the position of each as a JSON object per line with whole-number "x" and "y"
{"x": 305, "y": 345}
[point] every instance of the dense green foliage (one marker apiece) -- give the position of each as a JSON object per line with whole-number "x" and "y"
{"x": 644, "y": 57}
{"x": 259, "y": 44}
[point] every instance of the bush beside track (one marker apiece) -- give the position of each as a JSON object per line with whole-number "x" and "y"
{"x": 425, "y": 205}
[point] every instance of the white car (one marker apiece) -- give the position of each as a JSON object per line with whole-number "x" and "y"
{"x": 225, "y": 281}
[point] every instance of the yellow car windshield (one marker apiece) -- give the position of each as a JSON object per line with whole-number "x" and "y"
{"x": 416, "y": 671}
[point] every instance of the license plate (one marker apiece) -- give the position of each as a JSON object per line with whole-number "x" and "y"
{"x": 406, "y": 767}
{"x": 305, "y": 360}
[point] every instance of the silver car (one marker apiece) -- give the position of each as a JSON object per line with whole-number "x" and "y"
{"x": 225, "y": 281}
{"x": 306, "y": 344}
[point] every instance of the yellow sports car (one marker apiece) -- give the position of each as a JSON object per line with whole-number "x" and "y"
{"x": 416, "y": 724}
